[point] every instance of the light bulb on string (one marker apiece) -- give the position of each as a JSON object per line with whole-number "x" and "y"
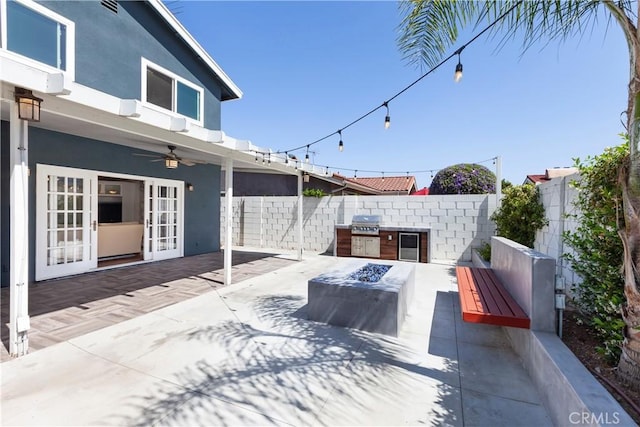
{"x": 457, "y": 76}
{"x": 256, "y": 157}
{"x": 387, "y": 118}
{"x": 286, "y": 158}
{"x": 382, "y": 175}
{"x": 306, "y": 156}
{"x": 355, "y": 173}
{"x": 340, "y": 144}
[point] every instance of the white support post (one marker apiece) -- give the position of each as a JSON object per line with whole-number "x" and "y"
{"x": 300, "y": 218}
{"x": 228, "y": 243}
{"x": 19, "y": 235}
{"x": 498, "y": 181}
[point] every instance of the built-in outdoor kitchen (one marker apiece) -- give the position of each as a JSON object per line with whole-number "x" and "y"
{"x": 368, "y": 237}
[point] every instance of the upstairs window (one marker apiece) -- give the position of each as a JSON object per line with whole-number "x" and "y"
{"x": 35, "y": 32}
{"x": 166, "y": 90}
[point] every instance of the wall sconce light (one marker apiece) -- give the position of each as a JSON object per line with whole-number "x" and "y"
{"x": 28, "y": 105}
{"x": 171, "y": 163}
{"x": 189, "y": 186}
{"x": 305, "y": 177}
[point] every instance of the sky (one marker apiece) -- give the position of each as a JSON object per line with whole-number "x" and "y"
{"x": 310, "y": 68}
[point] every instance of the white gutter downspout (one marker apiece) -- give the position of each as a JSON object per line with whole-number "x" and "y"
{"x": 300, "y": 219}
{"x": 19, "y": 324}
{"x": 228, "y": 243}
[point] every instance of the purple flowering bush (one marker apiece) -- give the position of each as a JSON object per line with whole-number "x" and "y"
{"x": 463, "y": 178}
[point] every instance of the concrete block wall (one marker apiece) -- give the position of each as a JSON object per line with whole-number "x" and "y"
{"x": 458, "y": 222}
{"x": 557, "y": 198}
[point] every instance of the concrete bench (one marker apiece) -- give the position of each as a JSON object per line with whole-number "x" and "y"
{"x": 483, "y": 299}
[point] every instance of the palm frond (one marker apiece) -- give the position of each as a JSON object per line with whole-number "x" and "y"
{"x": 429, "y": 28}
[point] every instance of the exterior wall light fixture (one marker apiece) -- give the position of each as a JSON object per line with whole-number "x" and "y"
{"x": 28, "y": 105}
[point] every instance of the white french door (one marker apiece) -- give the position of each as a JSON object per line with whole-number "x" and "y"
{"x": 163, "y": 219}
{"x": 66, "y": 221}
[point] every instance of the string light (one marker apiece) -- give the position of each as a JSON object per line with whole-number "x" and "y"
{"x": 399, "y": 173}
{"x": 355, "y": 173}
{"x": 306, "y": 156}
{"x": 387, "y": 118}
{"x": 286, "y": 158}
{"x": 256, "y": 157}
{"x": 457, "y": 76}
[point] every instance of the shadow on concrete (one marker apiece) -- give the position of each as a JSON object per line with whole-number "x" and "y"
{"x": 292, "y": 370}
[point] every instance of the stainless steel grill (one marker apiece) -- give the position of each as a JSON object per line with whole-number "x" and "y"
{"x": 365, "y": 224}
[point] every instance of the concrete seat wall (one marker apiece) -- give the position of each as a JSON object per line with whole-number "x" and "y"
{"x": 570, "y": 393}
{"x": 529, "y": 276}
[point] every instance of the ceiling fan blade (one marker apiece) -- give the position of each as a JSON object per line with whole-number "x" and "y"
{"x": 157, "y": 160}
{"x": 147, "y": 155}
{"x": 186, "y": 162}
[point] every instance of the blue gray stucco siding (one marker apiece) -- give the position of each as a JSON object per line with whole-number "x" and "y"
{"x": 201, "y": 207}
{"x": 109, "y": 48}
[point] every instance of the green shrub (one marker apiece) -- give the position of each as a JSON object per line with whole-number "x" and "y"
{"x": 313, "y": 192}
{"x": 485, "y": 251}
{"x": 463, "y": 178}
{"x": 597, "y": 249}
{"x": 520, "y": 215}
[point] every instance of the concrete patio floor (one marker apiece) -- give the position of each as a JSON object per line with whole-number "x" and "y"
{"x": 72, "y": 306}
{"x": 247, "y": 355}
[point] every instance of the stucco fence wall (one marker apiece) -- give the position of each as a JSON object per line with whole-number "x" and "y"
{"x": 457, "y": 222}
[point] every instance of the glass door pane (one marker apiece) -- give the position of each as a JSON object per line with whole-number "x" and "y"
{"x": 164, "y": 218}
{"x": 65, "y": 232}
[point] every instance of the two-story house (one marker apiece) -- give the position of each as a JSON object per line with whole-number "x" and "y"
{"x": 112, "y": 147}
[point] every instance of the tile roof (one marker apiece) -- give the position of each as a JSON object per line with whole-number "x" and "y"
{"x": 549, "y": 174}
{"x": 536, "y": 179}
{"x": 395, "y": 184}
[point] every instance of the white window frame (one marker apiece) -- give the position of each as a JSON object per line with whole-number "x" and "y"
{"x": 145, "y": 63}
{"x": 70, "y": 41}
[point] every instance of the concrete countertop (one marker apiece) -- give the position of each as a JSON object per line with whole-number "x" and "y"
{"x": 413, "y": 228}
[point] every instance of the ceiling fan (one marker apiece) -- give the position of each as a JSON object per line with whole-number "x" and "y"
{"x": 171, "y": 159}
